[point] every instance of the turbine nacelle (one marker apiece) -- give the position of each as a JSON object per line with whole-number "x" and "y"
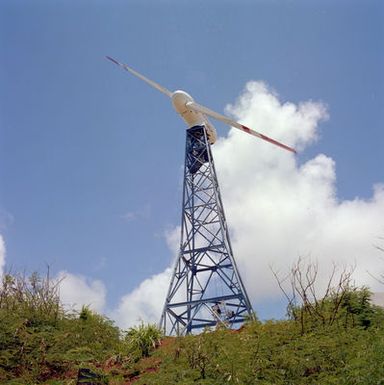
{"x": 182, "y": 101}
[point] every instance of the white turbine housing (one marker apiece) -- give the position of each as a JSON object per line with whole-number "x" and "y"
{"x": 190, "y": 116}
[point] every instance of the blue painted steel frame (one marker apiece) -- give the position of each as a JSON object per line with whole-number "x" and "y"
{"x": 206, "y": 288}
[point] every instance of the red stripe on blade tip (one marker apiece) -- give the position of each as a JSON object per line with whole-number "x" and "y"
{"x": 268, "y": 139}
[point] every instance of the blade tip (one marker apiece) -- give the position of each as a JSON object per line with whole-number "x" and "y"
{"x": 111, "y": 59}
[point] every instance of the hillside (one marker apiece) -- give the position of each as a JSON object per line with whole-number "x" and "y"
{"x": 338, "y": 341}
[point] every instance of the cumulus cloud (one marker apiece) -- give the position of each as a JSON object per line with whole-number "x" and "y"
{"x": 278, "y": 209}
{"x": 145, "y": 303}
{"x": 172, "y": 237}
{"x": 291, "y": 123}
{"x": 77, "y": 291}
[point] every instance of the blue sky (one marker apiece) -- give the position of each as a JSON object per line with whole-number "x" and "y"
{"x": 90, "y": 176}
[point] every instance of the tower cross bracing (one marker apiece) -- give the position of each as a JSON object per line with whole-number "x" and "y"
{"x": 206, "y": 288}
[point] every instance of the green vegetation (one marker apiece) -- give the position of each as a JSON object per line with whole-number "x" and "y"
{"x": 142, "y": 340}
{"x": 39, "y": 341}
{"x": 337, "y": 339}
{"x": 276, "y": 352}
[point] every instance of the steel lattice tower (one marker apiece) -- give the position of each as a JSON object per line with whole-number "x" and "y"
{"x": 206, "y": 288}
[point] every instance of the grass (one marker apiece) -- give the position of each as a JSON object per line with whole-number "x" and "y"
{"x": 42, "y": 344}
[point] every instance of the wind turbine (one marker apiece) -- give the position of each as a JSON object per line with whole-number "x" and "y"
{"x": 195, "y": 114}
{"x": 206, "y": 288}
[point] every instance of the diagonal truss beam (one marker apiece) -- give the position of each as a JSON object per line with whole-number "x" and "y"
{"x": 206, "y": 288}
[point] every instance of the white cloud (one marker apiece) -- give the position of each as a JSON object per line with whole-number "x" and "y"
{"x": 6, "y": 219}
{"x": 259, "y": 107}
{"x": 77, "y": 290}
{"x": 378, "y": 299}
{"x": 172, "y": 237}
{"x": 277, "y": 209}
{"x": 144, "y": 213}
{"x": 144, "y": 303}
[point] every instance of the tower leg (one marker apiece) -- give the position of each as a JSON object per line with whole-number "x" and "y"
{"x": 206, "y": 288}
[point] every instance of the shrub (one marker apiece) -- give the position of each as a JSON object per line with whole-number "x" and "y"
{"x": 142, "y": 339}
{"x": 38, "y": 339}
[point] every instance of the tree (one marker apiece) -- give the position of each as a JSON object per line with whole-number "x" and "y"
{"x": 341, "y": 302}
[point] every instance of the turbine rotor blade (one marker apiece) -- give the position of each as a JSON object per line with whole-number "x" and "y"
{"x": 230, "y": 122}
{"x": 142, "y": 77}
